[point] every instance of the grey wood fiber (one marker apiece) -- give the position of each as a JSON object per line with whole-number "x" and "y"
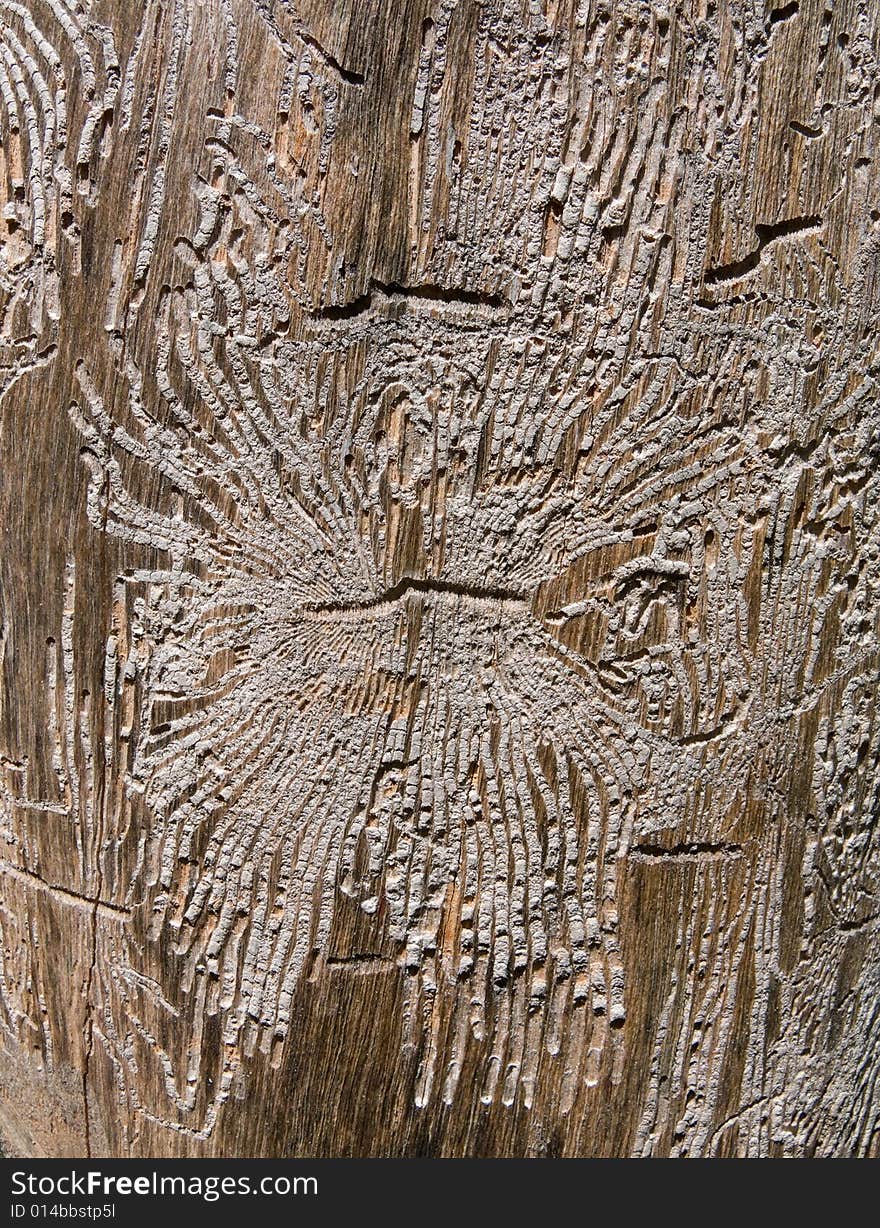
{"x": 440, "y": 561}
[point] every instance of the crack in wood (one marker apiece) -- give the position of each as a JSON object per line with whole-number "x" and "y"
{"x": 784, "y": 13}
{"x": 692, "y": 851}
{"x": 767, "y": 234}
{"x": 418, "y": 586}
{"x": 384, "y": 297}
{"x": 64, "y": 895}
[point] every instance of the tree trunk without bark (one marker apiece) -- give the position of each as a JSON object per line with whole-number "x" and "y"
{"x": 439, "y": 577}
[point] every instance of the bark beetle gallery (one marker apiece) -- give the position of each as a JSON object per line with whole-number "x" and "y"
{"x": 439, "y": 619}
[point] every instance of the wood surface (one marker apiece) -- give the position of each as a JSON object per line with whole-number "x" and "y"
{"x": 440, "y": 567}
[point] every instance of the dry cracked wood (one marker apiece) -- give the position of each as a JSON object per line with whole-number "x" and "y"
{"x": 440, "y": 571}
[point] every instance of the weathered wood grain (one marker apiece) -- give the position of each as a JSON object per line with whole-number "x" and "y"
{"x": 439, "y": 577}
